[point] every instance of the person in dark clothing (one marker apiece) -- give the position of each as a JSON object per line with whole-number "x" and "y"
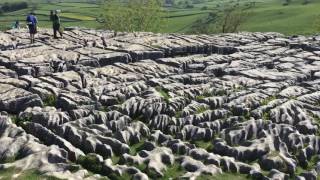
{"x": 32, "y": 25}
{"x": 55, "y": 24}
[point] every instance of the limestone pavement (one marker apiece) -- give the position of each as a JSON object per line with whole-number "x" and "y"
{"x": 140, "y": 104}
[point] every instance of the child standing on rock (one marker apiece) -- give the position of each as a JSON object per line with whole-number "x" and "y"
{"x": 55, "y": 23}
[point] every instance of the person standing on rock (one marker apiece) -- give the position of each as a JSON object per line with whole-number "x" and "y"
{"x": 55, "y": 23}
{"x": 32, "y": 25}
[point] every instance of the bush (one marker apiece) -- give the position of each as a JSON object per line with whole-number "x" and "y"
{"x": 19, "y": 121}
{"x": 286, "y": 2}
{"x": 90, "y": 162}
{"x": 189, "y": 6}
{"x": 134, "y": 15}
{"x": 164, "y": 93}
{"x": 9, "y": 7}
{"x": 204, "y": 8}
{"x": 306, "y": 2}
{"x": 51, "y": 100}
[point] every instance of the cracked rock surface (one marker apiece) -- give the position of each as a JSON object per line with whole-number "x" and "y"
{"x": 158, "y": 106}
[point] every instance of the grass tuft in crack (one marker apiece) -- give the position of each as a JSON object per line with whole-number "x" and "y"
{"x": 164, "y": 93}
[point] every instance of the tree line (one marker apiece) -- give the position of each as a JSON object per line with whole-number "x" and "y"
{"x": 15, "y": 6}
{"x": 288, "y": 2}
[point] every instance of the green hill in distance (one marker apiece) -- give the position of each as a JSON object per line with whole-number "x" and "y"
{"x": 183, "y": 15}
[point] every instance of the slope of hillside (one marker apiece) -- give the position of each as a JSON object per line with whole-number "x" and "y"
{"x": 265, "y": 16}
{"x": 296, "y": 18}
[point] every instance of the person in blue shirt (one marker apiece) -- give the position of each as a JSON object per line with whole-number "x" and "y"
{"x": 32, "y": 25}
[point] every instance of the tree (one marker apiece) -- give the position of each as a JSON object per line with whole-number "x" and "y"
{"x": 306, "y": 2}
{"x": 206, "y": 25}
{"x": 286, "y": 2}
{"x": 15, "y": 6}
{"x": 134, "y": 15}
{"x": 232, "y": 19}
{"x": 228, "y": 21}
{"x": 169, "y": 3}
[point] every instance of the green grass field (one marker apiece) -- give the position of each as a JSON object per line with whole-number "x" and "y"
{"x": 73, "y": 14}
{"x": 295, "y": 18}
{"x": 265, "y": 16}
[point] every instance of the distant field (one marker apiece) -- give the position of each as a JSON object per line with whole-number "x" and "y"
{"x": 73, "y": 14}
{"x": 295, "y": 18}
{"x": 266, "y": 15}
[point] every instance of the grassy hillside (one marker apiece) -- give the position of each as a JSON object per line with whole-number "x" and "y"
{"x": 266, "y": 15}
{"x": 295, "y": 18}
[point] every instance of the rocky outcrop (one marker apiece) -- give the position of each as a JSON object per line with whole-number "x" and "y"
{"x": 149, "y": 106}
